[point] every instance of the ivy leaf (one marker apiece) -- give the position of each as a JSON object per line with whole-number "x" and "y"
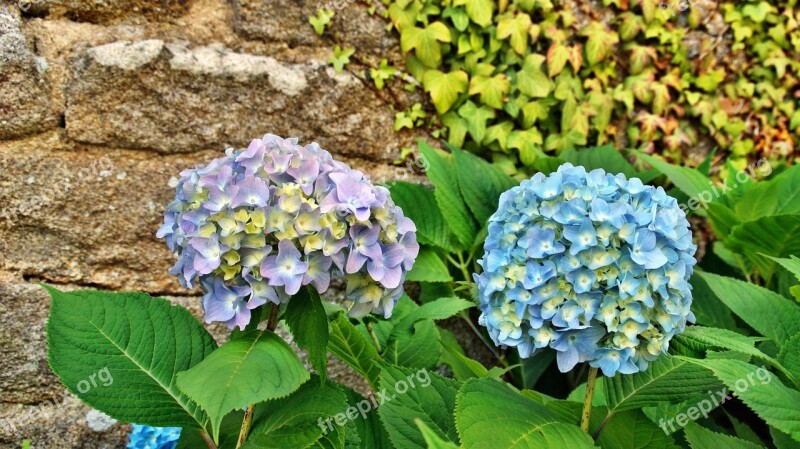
{"x": 710, "y": 81}
{"x": 476, "y": 118}
{"x": 499, "y": 133}
{"x": 321, "y": 20}
{"x": 457, "y": 128}
{"x": 340, "y": 58}
{"x": 557, "y": 57}
{"x": 758, "y": 13}
{"x": 241, "y": 372}
{"x": 480, "y": 11}
{"x": 528, "y": 143}
{"x": 531, "y": 81}
{"x": 516, "y": 29}
{"x": 142, "y": 343}
{"x": 425, "y": 42}
{"x": 601, "y": 42}
{"x": 492, "y": 90}
{"x": 445, "y": 87}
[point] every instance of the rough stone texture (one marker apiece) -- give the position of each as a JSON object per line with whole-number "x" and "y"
{"x": 105, "y": 10}
{"x": 287, "y": 21}
{"x": 143, "y": 90}
{"x": 24, "y": 99}
{"x": 173, "y": 98}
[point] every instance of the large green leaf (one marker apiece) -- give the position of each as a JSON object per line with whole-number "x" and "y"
{"x": 789, "y": 356}
{"x": 429, "y": 267}
{"x": 665, "y": 380}
{"x": 769, "y": 313}
{"x": 414, "y": 344}
{"x": 762, "y": 391}
{"x": 481, "y": 183}
{"x": 489, "y": 414}
{"x": 431, "y": 439}
{"x": 702, "y": 438}
{"x": 370, "y": 430}
{"x": 443, "y": 175}
{"x": 778, "y": 196}
{"x": 430, "y": 400}
{"x": 707, "y": 308}
{"x": 700, "y": 338}
{"x": 351, "y": 347}
{"x": 689, "y": 181}
{"x": 769, "y": 236}
{"x": 419, "y": 204}
{"x": 298, "y": 420}
{"x": 630, "y": 429}
{"x": 308, "y": 323}
{"x": 228, "y": 435}
{"x": 792, "y": 265}
{"x": 442, "y": 308}
{"x": 120, "y": 353}
{"x": 256, "y": 367}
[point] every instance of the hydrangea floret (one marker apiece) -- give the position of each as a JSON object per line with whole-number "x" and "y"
{"x": 148, "y": 437}
{"x": 593, "y": 265}
{"x": 255, "y": 226}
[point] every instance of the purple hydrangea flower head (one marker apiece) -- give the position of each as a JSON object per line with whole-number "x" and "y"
{"x": 592, "y": 265}
{"x": 148, "y": 437}
{"x": 257, "y": 225}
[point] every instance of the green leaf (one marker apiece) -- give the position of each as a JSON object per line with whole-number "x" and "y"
{"x": 492, "y": 89}
{"x": 370, "y": 430}
{"x": 463, "y": 367}
{"x": 429, "y": 268}
{"x": 481, "y": 183}
{"x": 294, "y": 421}
{"x": 340, "y": 58}
{"x": 410, "y": 396}
{"x": 228, "y": 435}
{"x": 531, "y": 81}
{"x": 702, "y": 438}
{"x": 707, "y": 308}
{"x": 689, "y": 181}
{"x": 120, "y": 352}
{"x": 630, "y": 429}
{"x": 432, "y": 439}
{"x": 308, "y": 323}
{"x": 769, "y": 236}
{"x": 414, "y": 344}
{"x": 605, "y": 157}
{"x": 768, "y": 397}
{"x": 426, "y": 42}
{"x": 256, "y": 367}
{"x": 700, "y": 338}
{"x": 476, "y": 118}
{"x": 489, "y": 414}
{"x": 480, "y": 11}
{"x": 789, "y": 356}
{"x": 557, "y": 57}
{"x": 529, "y": 144}
{"x": 419, "y": 204}
{"x": 352, "y": 348}
{"x": 442, "y": 174}
{"x": 769, "y": 313}
{"x": 777, "y": 196}
{"x": 442, "y": 308}
{"x": 516, "y": 29}
{"x": 792, "y": 265}
{"x": 668, "y": 379}
{"x": 445, "y": 87}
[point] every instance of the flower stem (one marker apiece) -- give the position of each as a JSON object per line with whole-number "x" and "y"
{"x": 246, "y": 423}
{"x": 208, "y": 440}
{"x": 587, "y": 400}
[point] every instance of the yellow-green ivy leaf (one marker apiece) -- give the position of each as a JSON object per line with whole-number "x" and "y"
{"x": 426, "y": 42}
{"x": 529, "y": 144}
{"x": 516, "y": 29}
{"x": 445, "y": 87}
{"x": 492, "y": 90}
{"x": 557, "y": 57}
{"x": 531, "y": 80}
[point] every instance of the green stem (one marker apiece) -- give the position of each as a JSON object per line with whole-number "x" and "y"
{"x": 602, "y": 426}
{"x": 374, "y": 337}
{"x": 247, "y": 421}
{"x": 464, "y": 265}
{"x": 208, "y": 440}
{"x": 587, "y": 400}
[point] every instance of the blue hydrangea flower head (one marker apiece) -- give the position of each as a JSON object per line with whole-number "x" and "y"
{"x": 147, "y": 437}
{"x": 255, "y": 226}
{"x": 592, "y": 265}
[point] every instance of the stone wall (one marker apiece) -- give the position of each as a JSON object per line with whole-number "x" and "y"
{"x": 102, "y": 103}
